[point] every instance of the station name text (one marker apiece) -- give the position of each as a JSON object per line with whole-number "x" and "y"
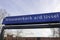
{"x": 35, "y": 17}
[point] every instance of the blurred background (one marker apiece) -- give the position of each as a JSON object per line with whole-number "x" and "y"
{"x": 28, "y": 7}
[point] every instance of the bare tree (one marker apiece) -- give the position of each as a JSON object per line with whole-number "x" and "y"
{"x": 19, "y": 31}
{"x": 3, "y": 14}
{"x": 55, "y": 32}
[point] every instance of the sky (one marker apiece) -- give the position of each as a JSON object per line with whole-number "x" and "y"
{"x": 26, "y": 7}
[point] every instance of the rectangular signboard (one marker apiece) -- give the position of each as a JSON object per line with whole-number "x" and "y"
{"x": 37, "y": 18}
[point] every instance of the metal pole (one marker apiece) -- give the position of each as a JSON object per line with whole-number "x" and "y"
{"x": 2, "y": 34}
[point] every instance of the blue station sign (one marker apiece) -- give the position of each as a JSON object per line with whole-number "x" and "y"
{"x": 36, "y": 18}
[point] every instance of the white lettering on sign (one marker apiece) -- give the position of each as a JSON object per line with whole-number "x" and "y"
{"x": 40, "y": 17}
